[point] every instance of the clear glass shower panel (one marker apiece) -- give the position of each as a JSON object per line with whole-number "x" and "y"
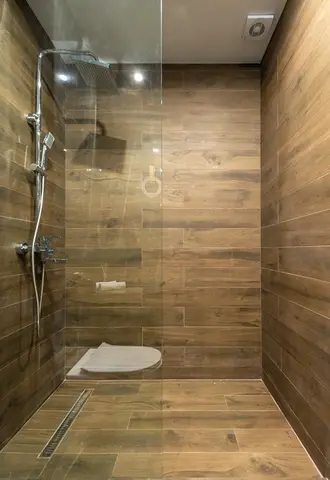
{"x": 113, "y": 192}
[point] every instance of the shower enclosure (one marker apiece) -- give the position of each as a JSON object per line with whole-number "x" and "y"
{"x": 111, "y": 96}
{"x": 82, "y": 156}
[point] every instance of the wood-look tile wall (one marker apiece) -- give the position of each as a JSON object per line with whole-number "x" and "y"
{"x": 28, "y": 372}
{"x": 295, "y": 222}
{"x": 191, "y": 258}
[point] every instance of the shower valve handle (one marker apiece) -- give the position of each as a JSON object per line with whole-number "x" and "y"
{"x": 48, "y": 243}
{"x": 58, "y": 260}
{"x": 22, "y": 248}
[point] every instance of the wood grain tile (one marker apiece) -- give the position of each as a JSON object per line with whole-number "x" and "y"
{"x": 217, "y": 257}
{"x": 306, "y": 261}
{"x": 210, "y": 387}
{"x": 313, "y": 391}
{"x": 93, "y": 337}
{"x": 222, "y": 356}
{"x": 205, "y": 256}
{"x": 59, "y": 402}
{"x": 198, "y": 336}
{"x": 203, "y": 296}
{"x": 221, "y": 195}
{"x": 199, "y": 218}
{"x": 179, "y": 400}
{"x": 79, "y": 467}
{"x": 225, "y": 179}
{"x": 29, "y": 441}
{"x": 221, "y": 77}
{"x": 88, "y": 276}
{"x": 311, "y": 198}
{"x": 227, "y": 372}
{"x": 28, "y": 465}
{"x": 308, "y": 353}
{"x": 214, "y": 465}
{"x": 284, "y": 441}
{"x": 97, "y": 403}
{"x": 307, "y": 292}
{"x": 270, "y": 258}
{"x": 111, "y": 441}
{"x": 148, "y": 441}
{"x": 272, "y": 347}
{"x": 207, "y": 420}
{"x": 115, "y": 238}
{"x": 304, "y": 231}
{"x": 28, "y": 395}
{"x": 222, "y": 277}
{"x": 226, "y": 99}
{"x": 117, "y": 388}
{"x": 199, "y": 441}
{"x": 222, "y": 317}
{"x": 306, "y": 323}
{"x": 250, "y": 402}
{"x": 222, "y": 237}
{"x": 104, "y": 256}
{"x": 226, "y": 156}
{"x": 105, "y": 419}
{"x": 124, "y": 316}
{"x": 307, "y": 441}
{"x": 75, "y": 387}
{"x": 102, "y": 297}
{"x": 299, "y": 406}
{"x": 269, "y": 303}
{"x": 46, "y": 419}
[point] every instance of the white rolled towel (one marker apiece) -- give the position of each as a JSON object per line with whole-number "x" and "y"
{"x": 110, "y": 285}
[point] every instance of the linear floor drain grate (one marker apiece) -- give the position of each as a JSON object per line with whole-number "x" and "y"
{"x": 65, "y": 425}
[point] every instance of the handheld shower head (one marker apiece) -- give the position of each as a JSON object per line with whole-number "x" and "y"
{"x": 49, "y": 139}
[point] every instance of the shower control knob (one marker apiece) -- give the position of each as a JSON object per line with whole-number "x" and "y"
{"x": 22, "y": 248}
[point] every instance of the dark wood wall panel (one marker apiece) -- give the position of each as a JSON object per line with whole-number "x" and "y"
{"x": 295, "y": 179}
{"x": 190, "y": 258}
{"x": 211, "y": 171}
{"x": 29, "y": 370}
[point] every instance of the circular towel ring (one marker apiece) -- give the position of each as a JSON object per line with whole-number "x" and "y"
{"x": 151, "y": 178}
{"x": 145, "y": 182}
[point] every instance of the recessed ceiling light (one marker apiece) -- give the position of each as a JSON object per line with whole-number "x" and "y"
{"x": 63, "y": 77}
{"x": 138, "y": 77}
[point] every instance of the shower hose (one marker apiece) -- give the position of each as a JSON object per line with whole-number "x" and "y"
{"x": 38, "y": 295}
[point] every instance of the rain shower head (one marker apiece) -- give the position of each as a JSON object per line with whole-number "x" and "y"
{"x": 96, "y": 74}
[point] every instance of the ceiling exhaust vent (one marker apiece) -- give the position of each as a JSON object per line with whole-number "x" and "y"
{"x": 257, "y": 27}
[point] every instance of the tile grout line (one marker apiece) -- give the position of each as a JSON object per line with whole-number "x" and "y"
{"x": 303, "y": 446}
{"x": 129, "y": 420}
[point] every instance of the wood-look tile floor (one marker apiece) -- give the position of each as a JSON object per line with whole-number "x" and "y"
{"x": 152, "y": 429}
